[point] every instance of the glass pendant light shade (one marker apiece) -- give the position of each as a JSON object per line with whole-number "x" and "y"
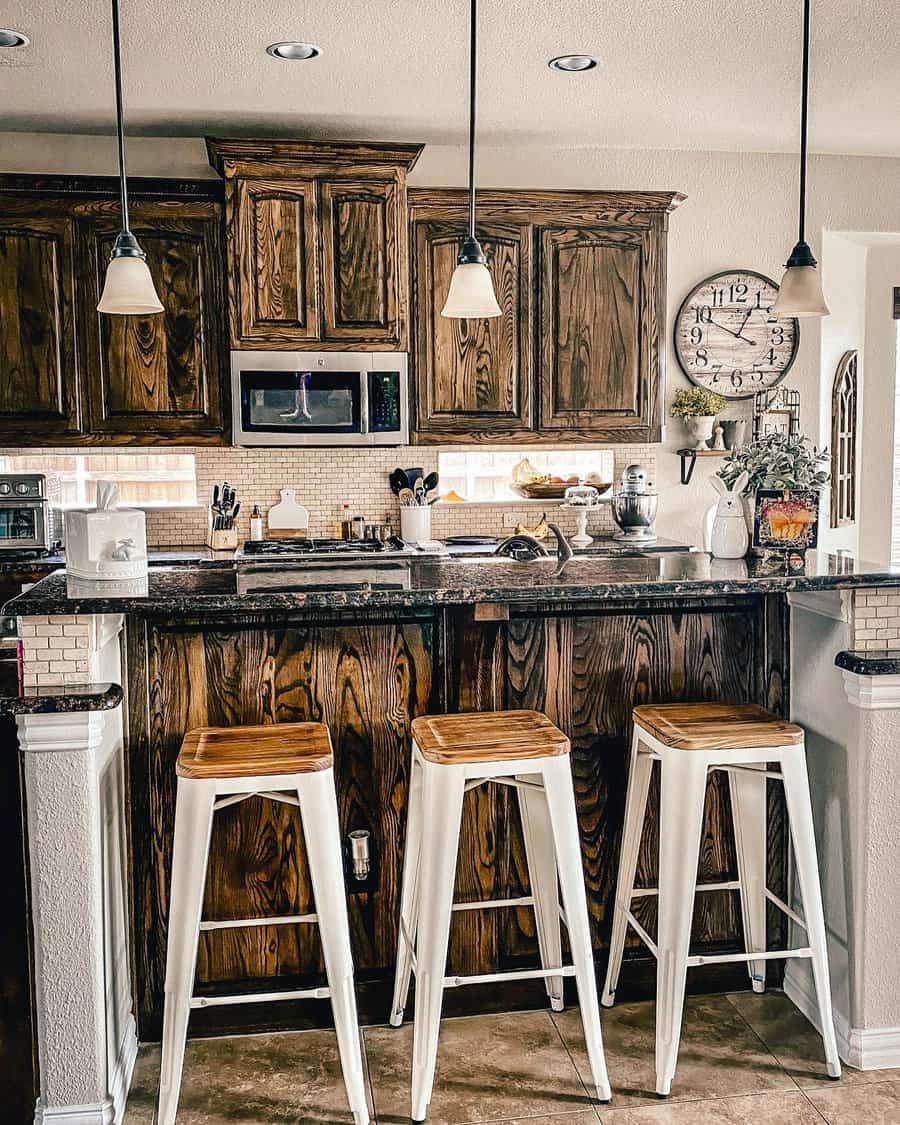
{"x": 800, "y": 293}
{"x": 129, "y": 288}
{"x": 471, "y": 292}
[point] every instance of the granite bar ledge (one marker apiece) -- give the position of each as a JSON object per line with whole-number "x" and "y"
{"x": 60, "y": 700}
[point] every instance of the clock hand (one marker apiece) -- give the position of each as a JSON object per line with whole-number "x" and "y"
{"x": 731, "y": 331}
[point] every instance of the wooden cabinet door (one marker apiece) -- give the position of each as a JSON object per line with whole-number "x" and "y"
{"x": 599, "y": 334}
{"x": 472, "y": 377}
{"x": 157, "y": 377}
{"x": 362, "y": 232}
{"x": 38, "y": 375}
{"x": 274, "y": 283}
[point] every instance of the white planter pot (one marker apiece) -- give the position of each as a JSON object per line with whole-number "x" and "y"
{"x": 700, "y": 430}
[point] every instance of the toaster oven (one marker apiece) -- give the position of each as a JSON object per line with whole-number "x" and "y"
{"x": 30, "y": 516}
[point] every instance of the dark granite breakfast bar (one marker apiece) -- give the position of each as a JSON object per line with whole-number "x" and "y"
{"x": 367, "y": 649}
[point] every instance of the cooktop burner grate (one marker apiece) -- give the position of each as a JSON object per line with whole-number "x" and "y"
{"x": 311, "y": 547}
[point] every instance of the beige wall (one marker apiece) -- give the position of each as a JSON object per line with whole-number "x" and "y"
{"x": 740, "y": 212}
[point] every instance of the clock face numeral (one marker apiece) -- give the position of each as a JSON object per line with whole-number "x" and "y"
{"x": 726, "y": 338}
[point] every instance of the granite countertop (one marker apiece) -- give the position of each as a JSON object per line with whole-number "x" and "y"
{"x": 59, "y": 700}
{"x": 419, "y": 583}
{"x": 158, "y": 556}
{"x": 881, "y": 662}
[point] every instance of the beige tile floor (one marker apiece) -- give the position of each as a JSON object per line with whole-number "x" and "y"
{"x": 744, "y": 1060}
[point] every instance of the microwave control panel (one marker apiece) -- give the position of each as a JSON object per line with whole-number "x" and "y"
{"x": 384, "y": 402}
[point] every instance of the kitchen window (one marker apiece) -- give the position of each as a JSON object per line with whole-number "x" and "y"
{"x": 485, "y": 477}
{"x": 145, "y": 480}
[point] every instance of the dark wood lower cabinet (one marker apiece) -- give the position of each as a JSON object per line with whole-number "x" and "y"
{"x": 586, "y": 666}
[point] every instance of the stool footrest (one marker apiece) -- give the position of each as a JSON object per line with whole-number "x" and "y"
{"x": 494, "y": 903}
{"x": 279, "y": 920}
{"x": 518, "y": 974}
{"x": 260, "y": 997}
{"x": 769, "y": 955}
{"x": 701, "y": 888}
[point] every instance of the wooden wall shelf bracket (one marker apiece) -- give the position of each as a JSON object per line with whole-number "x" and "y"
{"x": 689, "y": 460}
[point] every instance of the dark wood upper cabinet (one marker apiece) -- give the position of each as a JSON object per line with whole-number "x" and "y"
{"x": 597, "y": 369}
{"x": 155, "y": 377}
{"x": 275, "y": 291}
{"x": 38, "y": 373}
{"x": 361, "y": 226}
{"x": 71, "y": 376}
{"x": 317, "y": 242}
{"x": 578, "y": 354}
{"x": 471, "y": 376}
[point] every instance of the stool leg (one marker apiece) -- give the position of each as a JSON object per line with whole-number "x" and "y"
{"x": 442, "y": 799}
{"x": 542, "y": 875}
{"x": 635, "y": 812}
{"x": 409, "y": 895}
{"x": 799, "y": 807}
{"x": 682, "y": 795}
{"x": 193, "y": 825}
{"x": 748, "y": 809}
{"x": 557, "y": 774}
{"x": 321, "y": 834}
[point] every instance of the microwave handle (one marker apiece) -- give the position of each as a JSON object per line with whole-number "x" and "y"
{"x": 364, "y": 401}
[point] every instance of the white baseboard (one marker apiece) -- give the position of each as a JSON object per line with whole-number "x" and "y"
{"x": 861, "y": 1048}
{"x": 111, "y": 1111}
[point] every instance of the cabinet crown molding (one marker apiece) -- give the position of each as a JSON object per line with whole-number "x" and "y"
{"x": 530, "y": 199}
{"x": 227, "y": 155}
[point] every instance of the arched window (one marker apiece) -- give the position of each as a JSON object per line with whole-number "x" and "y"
{"x": 843, "y": 441}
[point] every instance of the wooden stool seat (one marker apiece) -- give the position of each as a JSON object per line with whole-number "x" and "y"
{"x": 716, "y": 726}
{"x": 488, "y": 736}
{"x": 274, "y": 748}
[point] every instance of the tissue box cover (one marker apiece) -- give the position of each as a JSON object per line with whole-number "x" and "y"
{"x": 93, "y": 538}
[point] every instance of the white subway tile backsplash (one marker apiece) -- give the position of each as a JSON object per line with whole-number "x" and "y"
{"x": 325, "y": 478}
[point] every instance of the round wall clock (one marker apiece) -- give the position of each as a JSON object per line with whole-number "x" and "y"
{"x": 726, "y": 338}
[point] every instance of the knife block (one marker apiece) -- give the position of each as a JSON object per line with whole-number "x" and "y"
{"x": 221, "y": 539}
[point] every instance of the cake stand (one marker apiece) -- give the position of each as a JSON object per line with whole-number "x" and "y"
{"x": 581, "y": 537}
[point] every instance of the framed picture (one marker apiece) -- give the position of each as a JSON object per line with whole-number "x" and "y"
{"x": 786, "y": 521}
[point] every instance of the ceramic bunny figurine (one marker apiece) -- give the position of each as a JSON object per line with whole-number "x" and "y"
{"x": 729, "y": 538}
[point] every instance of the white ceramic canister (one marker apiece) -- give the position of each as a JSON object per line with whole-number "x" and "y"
{"x": 415, "y": 523}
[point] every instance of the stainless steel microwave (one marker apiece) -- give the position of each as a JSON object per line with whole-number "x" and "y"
{"x": 319, "y": 398}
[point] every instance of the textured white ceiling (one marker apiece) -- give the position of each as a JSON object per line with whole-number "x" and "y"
{"x": 702, "y": 74}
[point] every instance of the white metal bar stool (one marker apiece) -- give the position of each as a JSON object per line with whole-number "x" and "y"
{"x": 452, "y": 754}
{"x": 689, "y": 740}
{"x": 288, "y": 762}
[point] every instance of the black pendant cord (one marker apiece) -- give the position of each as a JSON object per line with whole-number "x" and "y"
{"x": 473, "y": 20}
{"x": 804, "y": 114}
{"x": 120, "y": 125}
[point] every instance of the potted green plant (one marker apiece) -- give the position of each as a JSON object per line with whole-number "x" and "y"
{"x": 697, "y": 408}
{"x": 778, "y": 461}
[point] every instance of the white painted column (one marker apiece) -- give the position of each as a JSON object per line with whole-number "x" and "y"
{"x": 75, "y": 800}
{"x": 853, "y": 749}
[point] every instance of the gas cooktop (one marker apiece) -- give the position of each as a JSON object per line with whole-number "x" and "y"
{"x": 274, "y": 550}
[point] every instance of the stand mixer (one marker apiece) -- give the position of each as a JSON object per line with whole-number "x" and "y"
{"x": 634, "y": 507}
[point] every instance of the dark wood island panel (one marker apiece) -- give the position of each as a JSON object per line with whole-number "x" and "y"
{"x": 367, "y": 675}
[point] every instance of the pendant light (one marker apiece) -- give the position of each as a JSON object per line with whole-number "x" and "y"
{"x": 801, "y": 293}
{"x": 129, "y": 287}
{"x": 471, "y": 291}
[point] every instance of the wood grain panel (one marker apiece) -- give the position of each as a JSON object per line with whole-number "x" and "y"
{"x": 367, "y": 683}
{"x": 38, "y": 389}
{"x": 273, "y": 238}
{"x": 472, "y": 374}
{"x": 361, "y": 231}
{"x": 586, "y": 672}
{"x": 592, "y": 287}
{"x": 156, "y": 377}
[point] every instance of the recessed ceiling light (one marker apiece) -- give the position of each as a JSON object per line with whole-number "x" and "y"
{"x": 293, "y": 52}
{"x": 13, "y": 38}
{"x": 572, "y": 63}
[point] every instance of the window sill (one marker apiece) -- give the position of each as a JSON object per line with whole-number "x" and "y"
{"x": 147, "y": 506}
{"x": 512, "y": 502}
